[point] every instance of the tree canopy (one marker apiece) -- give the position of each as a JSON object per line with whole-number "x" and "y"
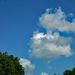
{"x": 9, "y": 65}
{"x": 69, "y": 72}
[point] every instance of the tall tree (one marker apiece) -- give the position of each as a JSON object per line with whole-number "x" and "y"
{"x": 9, "y": 65}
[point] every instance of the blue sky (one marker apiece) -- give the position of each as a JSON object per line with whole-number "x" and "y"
{"x": 19, "y": 19}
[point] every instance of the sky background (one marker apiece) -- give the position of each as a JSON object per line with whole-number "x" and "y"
{"x": 18, "y": 21}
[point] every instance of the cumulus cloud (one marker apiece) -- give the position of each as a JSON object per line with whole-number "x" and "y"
{"x": 57, "y": 21}
{"x": 43, "y": 73}
{"x": 52, "y": 45}
{"x": 49, "y": 46}
{"x": 27, "y": 65}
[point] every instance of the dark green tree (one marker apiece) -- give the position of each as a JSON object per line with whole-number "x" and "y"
{"x": 73, "y": 71}
{"x": 9, "y": 65}
{"x": 69, "y": 72}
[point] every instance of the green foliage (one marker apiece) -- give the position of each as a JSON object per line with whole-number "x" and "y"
{"x": 69, "y": 72}
{"x": 73, "y": 71}
{"x": 9, "y": 65}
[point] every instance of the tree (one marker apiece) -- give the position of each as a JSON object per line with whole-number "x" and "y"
{"x": 68, "y": 72}
{"x": 73, "y": 71}
{"x": 9, "y": 65}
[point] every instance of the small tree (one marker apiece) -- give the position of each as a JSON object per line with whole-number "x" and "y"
{"x": 9, "y": 65}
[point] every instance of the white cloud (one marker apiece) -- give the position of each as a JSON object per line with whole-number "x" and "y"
{"x": 27, "y": 65}
{"x": 49, "y": 46}
{"x": 43, "y": 73}
{"x": 52, "y": 45}
{"x": 71, "y": 15}
{"x": 57, "y": 21}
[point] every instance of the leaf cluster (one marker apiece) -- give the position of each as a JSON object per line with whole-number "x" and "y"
{"x": 9, "y": 65}
{"x": 69, "y": 72}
